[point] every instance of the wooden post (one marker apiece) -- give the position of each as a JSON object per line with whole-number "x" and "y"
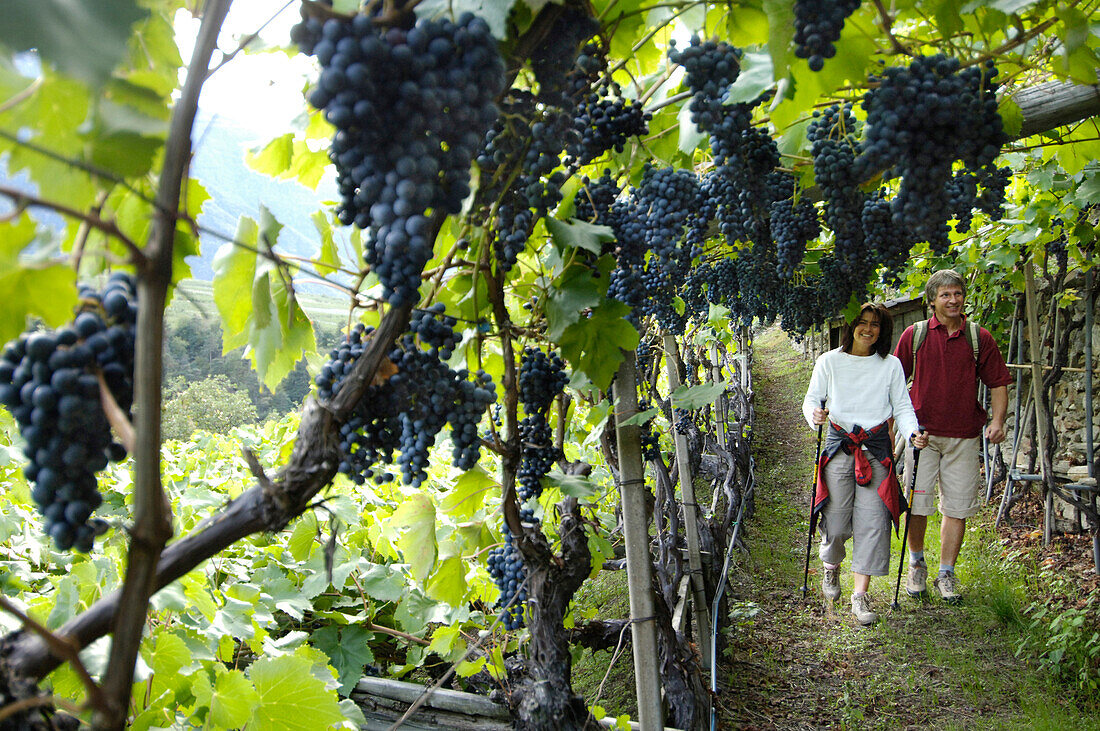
{"x": 1037, "y": 397}
{"x": 691, "y": 511}
{"x": 639, "y": 561}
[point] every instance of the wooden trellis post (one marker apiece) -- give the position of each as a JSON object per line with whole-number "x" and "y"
{"x": 639, "y": 562}
{"x": 1037, "y": 397}
{"x": 691, "y": 512}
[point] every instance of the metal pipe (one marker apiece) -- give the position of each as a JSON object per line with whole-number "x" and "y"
{"x": 1090, "y": 302}
{"x": 1017, "y": 426}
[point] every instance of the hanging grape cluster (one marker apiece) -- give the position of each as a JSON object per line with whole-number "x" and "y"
{"x": 406, "y": 412}
{"x": 541, "y": 378}
{"x": 50, "y": 381}
{"x": 510, "y": 574}
{"x": 817, "y": 26}
{"x": 411, "y": 105}
{"x": 923, "y": 118}
{"x": 577, "y": 116}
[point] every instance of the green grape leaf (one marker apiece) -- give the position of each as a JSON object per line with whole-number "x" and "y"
{"x": 415, "y": 518}
{"x": 578, "y": 487}
{"x": 468, "y": 494}
{"x": 756, "y": 77}
{"x": 233, "y": 700}
{"x": 291, "y": 697}
{"x": 780, "y": 33}
{"x": 166, "y": 654}
{"x": 448, "y": 583}
{"x": 690, "y": 135}
{"x": 579, "y": 234}
{"x": 82, "y": 39}
{"x": 348, "y": 650}
{"x": 47, "y": 292}
{"x": 594, "y": 344}
{"x": 576, "y": 290}
{"x": 383, "y": 582}
{"x": 1012, "y": 118}
{"x": 696, "y": 397}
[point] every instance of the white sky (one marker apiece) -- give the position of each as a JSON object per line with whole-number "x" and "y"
{"x": 259, "y": 91}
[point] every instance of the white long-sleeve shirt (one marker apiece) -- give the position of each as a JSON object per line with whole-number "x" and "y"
{"x": 864, "y": 390}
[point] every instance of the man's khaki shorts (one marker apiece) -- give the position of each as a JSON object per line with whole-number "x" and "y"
{"x": 952, "y": 462}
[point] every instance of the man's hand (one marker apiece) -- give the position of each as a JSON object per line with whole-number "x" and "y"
{"x": 995, "y": 432}
{"x": 821, "y": 416}
{"x": 919, "y": 439}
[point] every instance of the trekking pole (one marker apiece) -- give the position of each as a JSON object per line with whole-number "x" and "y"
{"x": 905, "y": 533}
{"x": 813, "y": 491}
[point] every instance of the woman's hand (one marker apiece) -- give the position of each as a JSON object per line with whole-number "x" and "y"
{"x": 919, "y": 439}
{"x": 821, "y": 416}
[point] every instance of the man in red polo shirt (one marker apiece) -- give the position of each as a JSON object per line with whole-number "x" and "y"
{"x": 944, "y": 392}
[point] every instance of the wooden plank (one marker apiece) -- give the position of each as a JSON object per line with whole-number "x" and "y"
{"x": 442, "y": 699}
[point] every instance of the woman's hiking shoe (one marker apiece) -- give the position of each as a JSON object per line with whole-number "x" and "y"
{"x": 948, "y": 587}
{"x": 830, "y": 584}
{"x": 916, "y": 582}
{"x": 861, "y": 608}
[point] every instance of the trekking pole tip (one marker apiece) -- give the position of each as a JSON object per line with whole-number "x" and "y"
{"x": 895, "y": 606}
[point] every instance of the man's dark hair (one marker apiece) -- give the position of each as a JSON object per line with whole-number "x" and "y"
{"x": 885, "y": 329}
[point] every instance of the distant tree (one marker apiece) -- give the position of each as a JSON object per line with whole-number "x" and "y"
{"x": 212, "y": 404}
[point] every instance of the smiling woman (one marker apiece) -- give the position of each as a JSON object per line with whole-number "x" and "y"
{"x": 856, "y": 389}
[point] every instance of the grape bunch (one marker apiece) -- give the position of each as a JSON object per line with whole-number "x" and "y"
{"x": 411, "y": 105}
{"x": 509, "y": 573}
{"x": 793, "y": 225}
{"x": 817, "y": 26}
{"x": 541, "y": 378}
{"x": 406, "y": 412}
{"x": 50, "y": 381}
{"x": 923, "y": 118}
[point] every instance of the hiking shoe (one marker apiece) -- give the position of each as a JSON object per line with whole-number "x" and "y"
{"x": 861, "y": 608}
{"x": 948, "y": 587}
{"x": 830, "y": 584}
{"x": 916, "y": 581}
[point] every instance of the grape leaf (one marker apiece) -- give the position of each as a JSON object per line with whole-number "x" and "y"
{"x": 233, "y": 699}
{"x": 83, "y": 39}
{"x": 348, "y": 651}
{"x": 415, "y": 518}
{"x": 696, "y": 397}
{"x": 594, "y": 344}
{"x": 291, "y": 697}
{"x": 579, "y": 234}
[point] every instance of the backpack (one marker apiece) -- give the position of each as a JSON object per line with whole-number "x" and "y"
{"x": 920, "y": 330}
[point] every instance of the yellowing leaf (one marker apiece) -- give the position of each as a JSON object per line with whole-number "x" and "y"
{"x": 291, "y": 698}
{"x": 416, "y": 519}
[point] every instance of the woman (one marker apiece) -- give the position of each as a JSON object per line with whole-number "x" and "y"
{"x": 856, "y": 389}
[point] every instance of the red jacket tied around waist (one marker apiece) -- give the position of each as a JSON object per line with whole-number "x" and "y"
{"x": 878, "y": 446}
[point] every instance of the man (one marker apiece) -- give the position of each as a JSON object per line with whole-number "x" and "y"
{"x": 951, "y": 356}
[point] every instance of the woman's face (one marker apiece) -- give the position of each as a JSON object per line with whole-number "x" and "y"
{"x": 865, "y": 333}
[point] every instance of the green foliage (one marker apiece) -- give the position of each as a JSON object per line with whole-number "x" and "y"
{"x": 1064, "y": 634}
{"x": 212, "y": 404}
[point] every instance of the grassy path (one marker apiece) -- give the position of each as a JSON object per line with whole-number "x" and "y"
{"x": 794, "y": 664}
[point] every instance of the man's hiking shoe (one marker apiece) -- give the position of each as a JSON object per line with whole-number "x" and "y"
{"x": 830, "y": 584}
{"x": 916, "y": 582}
{"x": 861, "y": 608}
{"x": 948, "y": 587}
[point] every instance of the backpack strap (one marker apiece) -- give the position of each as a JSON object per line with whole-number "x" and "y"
{"x": 972, "y": 338}
{"x": 920, "y": 330}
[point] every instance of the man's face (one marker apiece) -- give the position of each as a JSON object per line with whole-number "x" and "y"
{"x": 949, "y": 302}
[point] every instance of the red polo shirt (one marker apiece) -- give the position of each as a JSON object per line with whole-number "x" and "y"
{"x": 945, "y": 388}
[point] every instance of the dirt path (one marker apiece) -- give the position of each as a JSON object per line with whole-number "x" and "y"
{"x": 793, "y": 664}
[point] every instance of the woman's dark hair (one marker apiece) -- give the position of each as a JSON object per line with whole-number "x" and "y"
{"x": 885, "y": 329}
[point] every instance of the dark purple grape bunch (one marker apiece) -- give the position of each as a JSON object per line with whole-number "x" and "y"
{"x": 51, "y": 384}
{"x": 817, "y": 26}
{"x": 397, "y": 420}
{"x": 541, "y": 378}
{"x": 510, "y": 575}
{"x": 411, "y": 106}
